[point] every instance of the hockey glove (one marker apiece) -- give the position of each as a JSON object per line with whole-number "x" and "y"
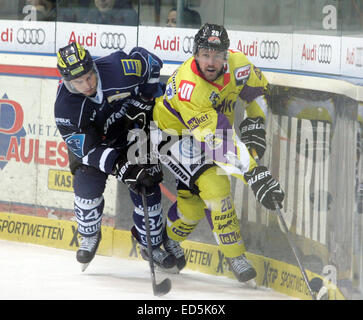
{"x": 139, "y": 112}
{"x": 136, "y": 176}
{"x": 253, "y": 135}
{"x": 265, "y": 187}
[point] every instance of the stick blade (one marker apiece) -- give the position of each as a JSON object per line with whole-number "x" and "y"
{"x": 162, "y": 288}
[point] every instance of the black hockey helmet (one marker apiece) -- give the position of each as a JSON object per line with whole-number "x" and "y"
{"x": 211, "y": 36}
{"x": 73, "y": 61}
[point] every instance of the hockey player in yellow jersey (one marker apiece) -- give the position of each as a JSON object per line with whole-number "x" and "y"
{"x": 197, "y": 142}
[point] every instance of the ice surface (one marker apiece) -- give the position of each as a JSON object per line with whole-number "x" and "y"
{"x": 30, "y": 271}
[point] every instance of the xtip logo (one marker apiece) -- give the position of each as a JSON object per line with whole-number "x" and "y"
{"x": 11, "y": 125}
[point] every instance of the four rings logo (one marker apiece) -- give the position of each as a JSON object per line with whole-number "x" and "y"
{"x": 322, "y": 53}
{"x": 325, "y": 53}
{"x": 188, "y": 44}
{"x": 111, "y": 40}
{"x": 30, "y": 36}
{"x": 269, "y": 49}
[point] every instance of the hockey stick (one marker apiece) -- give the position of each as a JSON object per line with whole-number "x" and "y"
{"x": 164, "y": 286}
{"x": 291, "y": 243}
{"x": 293, "y": 248}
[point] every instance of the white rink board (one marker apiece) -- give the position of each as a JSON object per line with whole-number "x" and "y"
{"x": 100, "y": 40}
{"x": 316, "y": 53}
{"x": 265, "y": 50}
{"x": 352, "y": 57}
{"x": 302, "y": 52}
{"x": 27, "y": 36}
{"x": 34, "y": 146}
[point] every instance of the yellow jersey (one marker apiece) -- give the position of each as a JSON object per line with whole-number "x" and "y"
{"x": 195, "y": 106}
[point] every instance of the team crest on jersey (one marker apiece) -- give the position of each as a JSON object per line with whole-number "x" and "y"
{"x": 131, "y": 67}
{"x": 214, "y": 98}
{"x": 76, "y": 143}
{"x": 185, "y": 90}
{"x": 242, "y": 74}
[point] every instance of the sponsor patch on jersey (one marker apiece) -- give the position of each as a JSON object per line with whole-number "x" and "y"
{"x": 118, "y": 96}
{"x": 63, "y": 121}
{"x": 230, "y": 238}
{"x": 197, "y": 121}
{"x": 169, "y": 91}
{"x": 185, "y": 90}
{"x": 242, "y": 74}
{"x": 75, "y": 143}
{"x": 131, "y": 67}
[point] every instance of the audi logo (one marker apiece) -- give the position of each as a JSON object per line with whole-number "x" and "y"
{"x": 30, "y": 36}
{"x": 188, "y": 44}
{"x": 269, "y": 49}
{"x": 325, "y": 53}
{"x": 113, "y": 40}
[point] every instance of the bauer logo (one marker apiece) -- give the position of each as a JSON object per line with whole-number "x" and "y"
{"x": 11, "y": 127}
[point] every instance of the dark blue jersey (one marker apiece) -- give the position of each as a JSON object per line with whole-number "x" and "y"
{"x": 94, "y": 128}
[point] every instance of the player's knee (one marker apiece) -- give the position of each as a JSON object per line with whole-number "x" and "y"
{"x": 213, "y": 185}
{"x": 189, "y": 207}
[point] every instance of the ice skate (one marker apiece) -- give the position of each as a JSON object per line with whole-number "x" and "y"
{"x": 174, "y": 248}
{"x": 242, "y": 269}
{"x": 87, "y": 249}
{"x": 163, "y": 260}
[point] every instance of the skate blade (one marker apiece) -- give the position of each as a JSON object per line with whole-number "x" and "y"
{"x": 323, "y": 294}
{"x": 84, "y": 266}
{"x": 251, "y": 283}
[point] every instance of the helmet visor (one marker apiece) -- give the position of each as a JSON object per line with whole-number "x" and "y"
{"x": 85, "y": 84}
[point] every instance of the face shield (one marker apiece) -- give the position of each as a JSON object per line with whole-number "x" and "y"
{"x": 86, "y": 84}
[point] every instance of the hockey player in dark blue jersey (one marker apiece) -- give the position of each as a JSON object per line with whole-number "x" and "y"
{"x": 98, "y": 102}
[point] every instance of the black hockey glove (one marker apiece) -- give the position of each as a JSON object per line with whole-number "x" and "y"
{"x": 137, "y": 176}
{"x": 253, "y": 135}
{"x": 139, "y": 112}
{"x": 265, "y": 187}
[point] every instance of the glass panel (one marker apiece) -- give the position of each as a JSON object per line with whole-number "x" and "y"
{"x": 352, "y": 21}
{"x": 111, "y": 12}
{"x": 155, "y": 13}
{"x": 318, "y": 17}
{"x": 259, "y": 15}
{"x": 181, "y": 13}
{"x": 29, "y": 10}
